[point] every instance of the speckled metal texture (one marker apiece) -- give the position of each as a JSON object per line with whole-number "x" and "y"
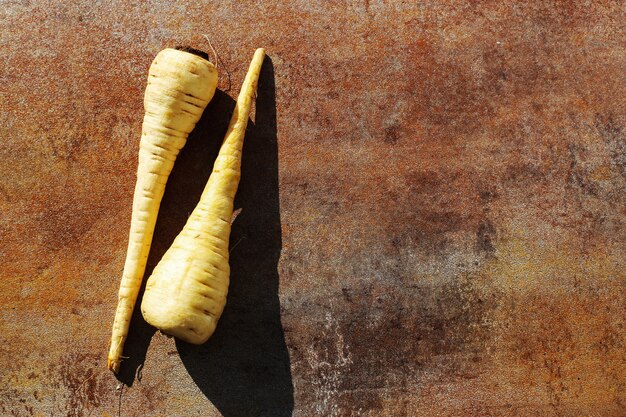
{"x": 433, "y": 209}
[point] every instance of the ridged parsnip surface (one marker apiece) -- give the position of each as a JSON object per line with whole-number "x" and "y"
{"x": 180, "y": 85}
{"x": 186, "y": 294}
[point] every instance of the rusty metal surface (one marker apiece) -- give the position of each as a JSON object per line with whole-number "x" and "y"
{"x": 433, "y": 209}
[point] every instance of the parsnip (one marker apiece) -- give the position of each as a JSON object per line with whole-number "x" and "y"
{"x": 186, "y": 294}
{"x": 180, "y": 85}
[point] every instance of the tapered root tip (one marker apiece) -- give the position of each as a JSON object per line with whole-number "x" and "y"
{"x": 260, "y": 52}
{"x": 113, "y": 365}
{"x": 194, "y": 51}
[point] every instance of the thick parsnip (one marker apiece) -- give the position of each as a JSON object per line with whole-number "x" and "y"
{"x": 180, "y": 85}
{"x": 186, "y": 294}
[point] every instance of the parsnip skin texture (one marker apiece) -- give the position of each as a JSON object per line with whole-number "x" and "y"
{"x": 180, "y": 85}
{"x": 186, "y": 294}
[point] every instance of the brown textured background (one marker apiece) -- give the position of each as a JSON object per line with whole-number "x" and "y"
{"x": 433, "y": 209}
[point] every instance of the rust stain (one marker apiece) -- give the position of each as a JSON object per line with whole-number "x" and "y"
{"x": 445, "y": 192}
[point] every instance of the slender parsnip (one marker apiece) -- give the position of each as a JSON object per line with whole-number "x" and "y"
{"x": 186, "y": 293}
{"x": 180, "y": 85}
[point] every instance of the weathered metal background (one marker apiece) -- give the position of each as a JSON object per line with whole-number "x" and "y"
{"x": 433, "y": 209}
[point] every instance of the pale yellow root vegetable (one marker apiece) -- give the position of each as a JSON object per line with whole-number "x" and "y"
{"x": 180, "y": 85}
{"x": 186, "y": 294}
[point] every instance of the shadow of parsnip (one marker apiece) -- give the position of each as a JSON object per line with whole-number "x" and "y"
{"x": 244, "y": 368}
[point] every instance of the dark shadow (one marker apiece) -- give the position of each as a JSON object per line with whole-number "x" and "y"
{"x": 184, "y": 186}
{"x": 244, "y": 368}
